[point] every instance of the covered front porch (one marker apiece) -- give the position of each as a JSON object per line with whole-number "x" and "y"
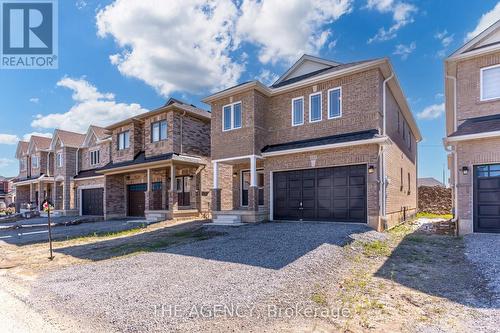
{"x": 31, "y": 193}
{"x": 162, "y": 190}
{"x": 246, "y": 202}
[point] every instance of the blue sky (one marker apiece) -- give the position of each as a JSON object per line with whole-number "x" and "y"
{"x": 120, "y": 58}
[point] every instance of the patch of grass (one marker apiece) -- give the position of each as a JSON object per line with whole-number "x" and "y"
{"x": 416, "y": 238}
{"x": 376, "y": 249}
{"x": 109, "y": 234}
{"x": 319, "y": 298}
{"x": 434, "y": 216}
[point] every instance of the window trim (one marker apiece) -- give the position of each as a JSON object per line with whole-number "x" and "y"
{"x": 124, "y": 145}
{"x": 231, "y": 121}
{"x": 481, "y": 84}
{"x": 98, "y": 151}
{"x": 159, "y": 122}
{"x": 23, "y": 163}
{"x": 59, "y": 161}
{"x": 339, "y": 88}
{"x": 320, "y": 94}
{"x": 37, "y": 159}
{"x": 293, "y": 113}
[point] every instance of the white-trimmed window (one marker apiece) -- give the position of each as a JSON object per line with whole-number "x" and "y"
{"x": 35, "y": 162}
{"x": 231, "y": 116}
{"x": 22, "y": 165}
{"x": 59, "y": 159}
{"x": 95, "y": 157}
{"x": 315, "y": 107}
{"x": 490, "y": 83}
{"x": 124, "y": 140}
{"x": 159, "y": 131}
{"x": 297, "y": 111}
{"x": 335, "y": 103}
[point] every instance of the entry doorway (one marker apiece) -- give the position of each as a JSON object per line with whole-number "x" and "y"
{"x": 183, "y": 187}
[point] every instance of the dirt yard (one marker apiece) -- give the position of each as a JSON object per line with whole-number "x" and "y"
{"x": 405, "y": 280}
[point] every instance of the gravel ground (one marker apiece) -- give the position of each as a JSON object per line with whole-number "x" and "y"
{"x": 483, "y": 250}
{"x": 248, "y": 269}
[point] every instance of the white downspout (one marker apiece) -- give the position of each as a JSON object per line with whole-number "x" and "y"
{"x": 77, "y": 150}
{"x": 383, "y": 182}
{"x": 453, "y": 151}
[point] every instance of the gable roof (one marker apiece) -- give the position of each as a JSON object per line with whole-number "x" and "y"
{"x": 68, "y": 139}
{"x": 305, "y": 65}
{"x": 22, "y": 149}
{"x": 39, "y": 143}
{"x": 486, "y": 41}
{"x": 100, "y": 134}
{"x": 429, "y": 181}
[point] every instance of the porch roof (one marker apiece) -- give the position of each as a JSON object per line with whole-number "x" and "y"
{"x": 29, "y": 180}
{"x": 478, "y": 125}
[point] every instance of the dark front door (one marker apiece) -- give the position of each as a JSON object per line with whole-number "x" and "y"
{"x": 92, "y": 202}
{"x": 487, "y": 198}
{"x": 137, "y": 199}
{"x": 157, "y": 195}
{"x": 245, "y": 184}
{"x": 327, "y": 194}
{"x": 183, "y": 185}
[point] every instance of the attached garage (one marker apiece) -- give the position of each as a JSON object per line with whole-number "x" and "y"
{"x": 136, "y": 199}
{"x": 487, "y": 198}
{"x": 335, "y": 194}
{"x": 92, "y": 201}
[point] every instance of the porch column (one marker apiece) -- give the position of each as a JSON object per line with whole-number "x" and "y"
{"x": 253, "y": 190}
{"x": 164, "y": 191}
{"x": 148, "y": 196}
{"x": 172, "y": 196}
{"x": 216, "y": 193}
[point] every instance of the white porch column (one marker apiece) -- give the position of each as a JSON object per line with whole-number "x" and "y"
{"x": 149, "y": 179}
{"x": 253, "y": 170}
{"x": 216, "y": 175}
{"x": 172, "y": 178}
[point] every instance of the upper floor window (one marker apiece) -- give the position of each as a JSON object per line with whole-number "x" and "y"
{"x": 335, "y": 103}
{"x": 297, "y": 111}
{"x": 490, "y": 83}
{"x": 231, "y": 116}
{"x": 95, "y": 157}
{"x": 23, "y": 165}
{"x": 159, "y": 131}
{"x": 123, "y": 140}
{"x": 59, "y": 160}
{"x": 35, "y": 162}
{"x": 315, "y": 108}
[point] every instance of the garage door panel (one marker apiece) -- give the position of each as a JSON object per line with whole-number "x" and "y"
{"x": 488, "y": 183}
{"x": 487, "y": 198}
{"x": 489, "y": 223}
{"x": 489, "y": 210}
{"x": 92, "y": 201}
{"x": 356, "y": 203}
{"x": 340, "y": 181}
{"x": 357, "y": 191}
{"x": 356, "y": 180}
{"x": 340, "y": 203}
{"x": 340, "y": 192}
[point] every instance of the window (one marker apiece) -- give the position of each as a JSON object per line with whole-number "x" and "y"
{"x": 35, "y": 162}
{"x": 231, "y": 116}
{"x": 124, "y": 140}
{"x": 410, "y": 137}
{"x": 159, "y": 131}
{"x": 409, "y": 183}
{"x": 401, "y": 186}
{"x": 59, "y": 160}
{"x": 297, "y": 111}
{"x": 335, "y": 103}
{"x": 490, "y": 83}
{"x": 23, "y": 165}
{"x": 315, "y": 108}
{"x": 95, "y": 157}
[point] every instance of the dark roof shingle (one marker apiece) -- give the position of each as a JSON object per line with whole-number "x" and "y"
{"x": 140, "y": 158}
{"x": 478, "y": 125}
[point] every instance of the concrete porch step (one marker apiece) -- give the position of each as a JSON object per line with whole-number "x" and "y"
{"x": 227, "y": 220}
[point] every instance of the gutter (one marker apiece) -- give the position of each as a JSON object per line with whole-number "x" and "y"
{"x": 483, "y": 135}
{"x": 453, "y": 150}
{"x": 383, "y": 177}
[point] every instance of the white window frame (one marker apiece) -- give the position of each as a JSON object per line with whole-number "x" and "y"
{"x": 97, "y": 153}
{"x": 159, "y": 123}
{"x": 329, "y": 102}
{"x": 126, "y": 144}
{"x": 481, "y": 84}
{"x": 23, "y": 165}
{"x": 33, "y": 159}
{"x": 320, "y": 94}
{"x": 232, "y": 127}
{"x": 59, "y": 159}
{"x": 293, "y": 113}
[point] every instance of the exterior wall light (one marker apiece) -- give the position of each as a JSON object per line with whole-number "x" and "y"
{"x": 465, "y": 170}
{"x": 371, "y": 169}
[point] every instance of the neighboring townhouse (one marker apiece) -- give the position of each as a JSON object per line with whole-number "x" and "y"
{"x": 472, "y": 87}
{"x": 94, "y": 154}
{"x": 65, "y": 148}
{"x": 326, "y": 142}
{"x": 35, "y": 181}
{"x": 160, "y": 164}
{"x": 7, "y": 193}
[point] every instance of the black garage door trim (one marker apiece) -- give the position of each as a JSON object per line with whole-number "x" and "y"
{"x": 487, "y": 198}
{"x": 92, "y": 201}
{"x": 333, "y": 194}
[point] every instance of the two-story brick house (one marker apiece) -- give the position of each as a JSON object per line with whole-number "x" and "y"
{"x": 472, "y": 89}
{"x": 160, "y": 164}
{"x": 326, "y": 142}
{"x": 35, "y": 180}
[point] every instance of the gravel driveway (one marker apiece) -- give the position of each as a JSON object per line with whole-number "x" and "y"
{"x": 483, "y": 250}
{"x": 246, "y": 269}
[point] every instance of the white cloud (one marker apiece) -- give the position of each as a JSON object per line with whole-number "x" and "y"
{"x": 405, "y": 50}
{"x": 431, "y": 112}
{"x": 8, "y": 139}
{"x": 444, "y": 37}
{"x": 173, "y": 45}
{"x": 6, "y": 162}
{"x": 485, "y": 22}
{"x": 267, "y": 77}
{"x": 402, "y": 15}
{"x": 287, "y": 29}
{"x": 81, "y": 4}
{"x": 27, "y": 136}
{"x": 35, "y": 100}
{"x": 91, "y": 107}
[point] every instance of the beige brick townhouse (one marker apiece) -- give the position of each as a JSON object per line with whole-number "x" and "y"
{"x": 473, "y": 131}
{"x": 326, "y": 142}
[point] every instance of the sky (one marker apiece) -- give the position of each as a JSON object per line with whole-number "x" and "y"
{"x": 123, "y": 57}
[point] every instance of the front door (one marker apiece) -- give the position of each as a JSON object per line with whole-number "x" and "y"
{"x": 183, "y": 185}
{"x": 487, "y": 198}
{"x": 136, "y": 199}
{"x": 245, "y": 184}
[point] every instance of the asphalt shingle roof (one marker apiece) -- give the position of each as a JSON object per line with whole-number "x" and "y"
{"x": 140, "y": 158}
{"x": 478, "y": 125}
